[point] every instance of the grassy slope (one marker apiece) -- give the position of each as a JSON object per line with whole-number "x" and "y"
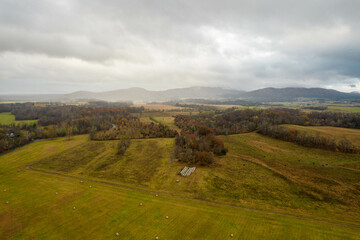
{"x": 7, "y": 118}
{"x": 258, "y": 172}
{"x": 168, "y": 121}
{"x": 344, "y": 109}
{"x": 34, "y": 210}
{"x": 352, "y": 135}
{"x": 146, "y": 120}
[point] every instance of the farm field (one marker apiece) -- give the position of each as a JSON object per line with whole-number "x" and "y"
{"x": 7, "y": 118}
{"x": 157, "y": 107}
{"x": 352, "y": 135}
{"x": 146, "y": 120}
{"x": 344, "y": 109}
{"x": 42, "y": 206}
{"x": 258, "y": 172}
{"x": 168, "y": 121}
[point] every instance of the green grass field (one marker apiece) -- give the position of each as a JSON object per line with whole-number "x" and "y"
{"x": 257, "y": 172}
{"x": 146, "y": 120}
{"x": 352, "y": 135}
{"x": 165, "y": 120}
{"x": 7, "y": 118}
{"x": 35, "y": 211}
{"x": 168, "y": 121}
{"x": 344, "y": 109}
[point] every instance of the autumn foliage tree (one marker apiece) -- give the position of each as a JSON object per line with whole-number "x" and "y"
{"x": 198, "y": 147}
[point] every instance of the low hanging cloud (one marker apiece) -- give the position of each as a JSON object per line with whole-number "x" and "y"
{"x": 64, "y": 46}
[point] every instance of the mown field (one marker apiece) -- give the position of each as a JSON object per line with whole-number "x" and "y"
{"x": 353, "y": 109}
{"x": 164, "y": 118}
{"x": 352, "y": 135}
{"x": 257, "y": 172}
{"x": 7, "y": 118}
{"x": 41, "y": 206}
{"x": 168, "y": 121}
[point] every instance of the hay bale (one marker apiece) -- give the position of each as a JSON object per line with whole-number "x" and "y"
{"x": 4, "y": 190}
{"x": 167, "y": 217}
{"x": 140, "y": 204}
{"x": 90, "y": 186}
{"x": 56, "y": 193}
{"x": 81, "y": 181}
{"x": 156, "y": 238}
{"x": 177, "y": 180}
{"x": 232, "y": 235}
{"x": 156, "y": 195}
{"x": 117, "y": 234}
{"x": 74, "y": 208}
{"x": 7, "y": 202}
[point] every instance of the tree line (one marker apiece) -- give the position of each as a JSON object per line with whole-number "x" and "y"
{"x": 241, "y": 121}
{"x": 267, "y": 121}
{"x": 58, "y": 120}
{"x": 309, "y": 140}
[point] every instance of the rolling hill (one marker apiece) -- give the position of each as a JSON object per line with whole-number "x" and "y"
{"x": 212, "y": 93}
{"x": 296, "y": 94}
{"x": 141, "y": 94}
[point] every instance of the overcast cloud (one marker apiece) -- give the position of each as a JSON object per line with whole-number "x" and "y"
{"x": 49, "y": 46}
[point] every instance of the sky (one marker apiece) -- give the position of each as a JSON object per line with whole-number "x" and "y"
{"x": 62, "y": 46}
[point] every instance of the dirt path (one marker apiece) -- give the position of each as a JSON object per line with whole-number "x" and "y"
{"x": 29, "y": 167}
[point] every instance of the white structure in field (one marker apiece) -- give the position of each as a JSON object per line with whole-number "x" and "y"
{"x": 187, "y": 171}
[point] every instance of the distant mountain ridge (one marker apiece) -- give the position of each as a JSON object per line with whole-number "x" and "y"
{"x": 216, "y": 93}
{"x": 295, "y": 94}
{"x": 141, "y": 94}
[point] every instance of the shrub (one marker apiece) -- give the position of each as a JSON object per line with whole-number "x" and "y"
{"x": 122, "y": 145}
{"x": 204, "y": 158}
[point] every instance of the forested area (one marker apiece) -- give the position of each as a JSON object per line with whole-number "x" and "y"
{"x": 133, "y": 128}
{"x": 103, "y": 123}
{"x": 199, "y": 146}
{"x": 266, "y": 122}
{"x": 197, "y": 142}
{"x": 309, "y": 140}
{"x": 241, "y": 121}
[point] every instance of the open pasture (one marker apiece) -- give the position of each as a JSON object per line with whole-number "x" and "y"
{"x": 352, "y": 135}
{"x": 339, "y": 108}
{"x": 7, "y": 118}
{"x": 258, "y": 172}
{"x": 45, "y": 206}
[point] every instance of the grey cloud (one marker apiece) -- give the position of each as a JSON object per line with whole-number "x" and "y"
{"x": 95, "y": 45}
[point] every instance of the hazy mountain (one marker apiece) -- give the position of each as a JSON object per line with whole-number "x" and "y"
{"x": 140, "y": 94}
{"x": 212, "y": 93}
{"x": 30, "y": 97}
{"x": 296, "y": 94}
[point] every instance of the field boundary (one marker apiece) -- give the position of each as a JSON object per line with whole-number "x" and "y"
{"x": 30, "y": 168}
